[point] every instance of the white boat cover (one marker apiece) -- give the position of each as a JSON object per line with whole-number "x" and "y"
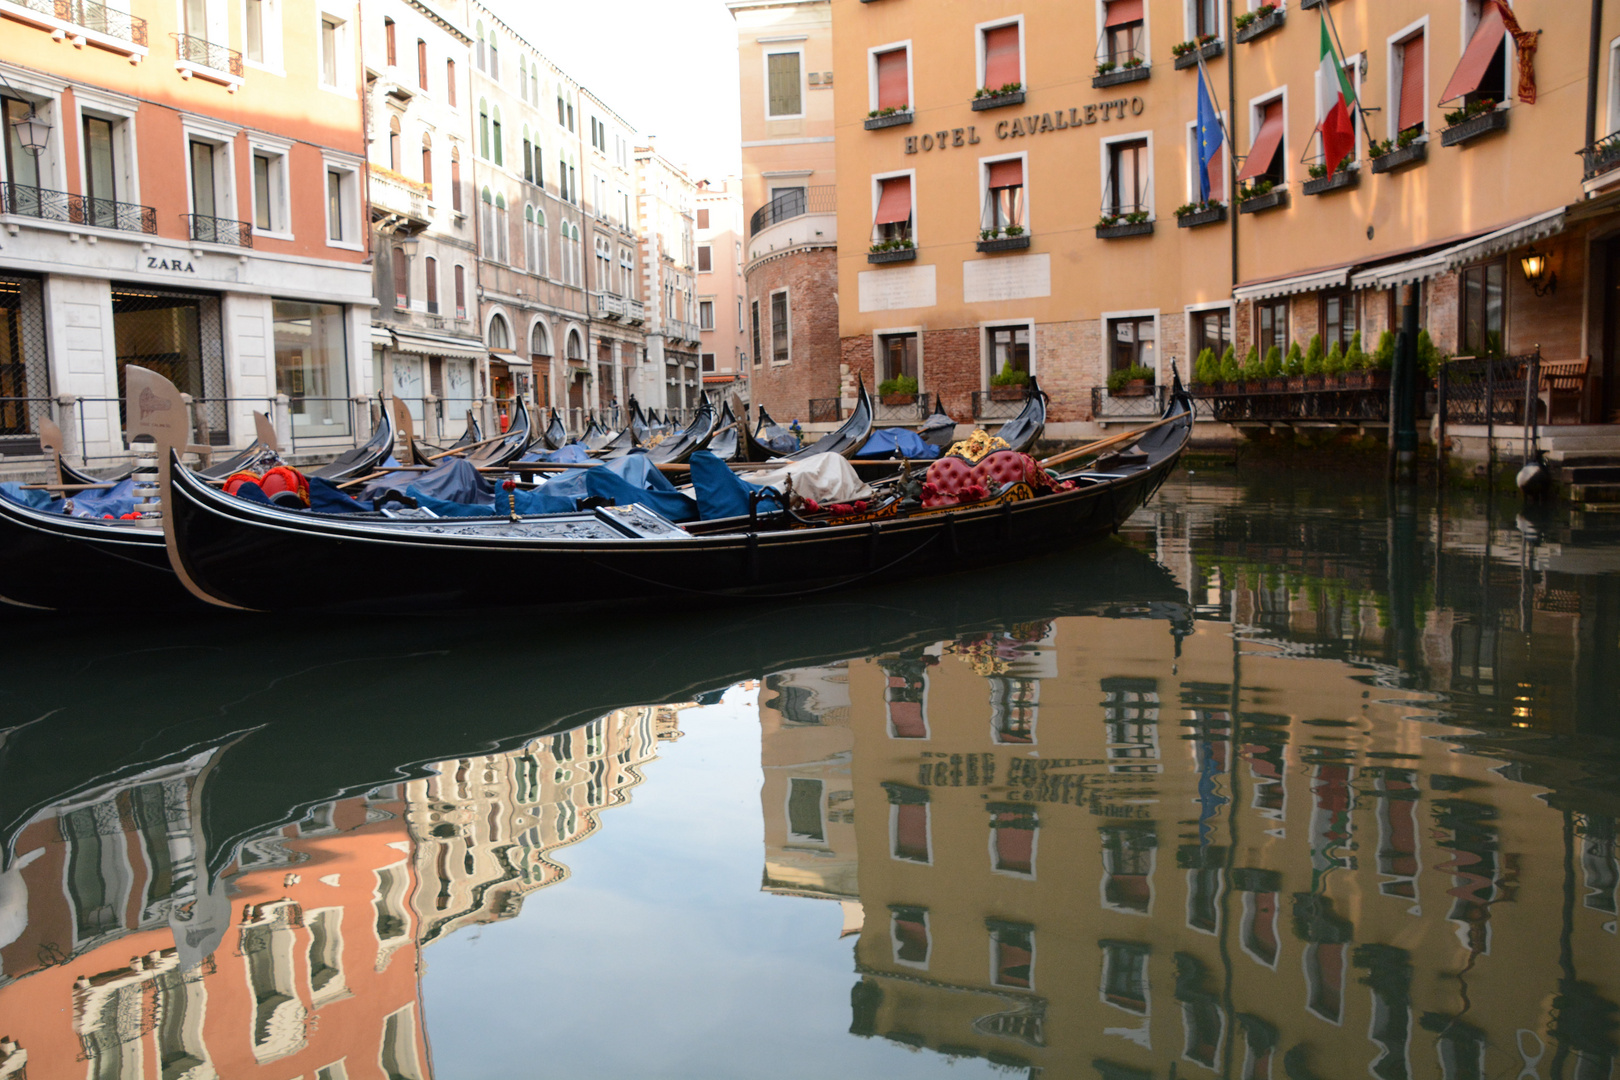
{"x": 826, "y": 478}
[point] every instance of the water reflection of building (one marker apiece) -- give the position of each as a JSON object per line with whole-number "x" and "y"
{"x": 1252, "y": 866}
{"x": 484, "y": 829}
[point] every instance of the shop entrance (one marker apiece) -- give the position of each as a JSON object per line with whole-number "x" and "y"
{"x": 24, "y": 384}
{"x": 177, "y": 335}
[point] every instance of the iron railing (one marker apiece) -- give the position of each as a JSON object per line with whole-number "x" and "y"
{"x": 1107, "y": 405}
{"x": 826, "y": 410}
{"x": 1488, "y": 390}
{"x": 990, "y": 405}
{"x": 1602, "y": 156}
{"x": 794, "y": 203}
{"x": 204, "y": 53}
{"x": 103, "y": 20}
{"x": 213, "y": 230}
{"x": 913, "y": 412}
{"x": 64, "y": 206}
{"x": 1350, "y": 404}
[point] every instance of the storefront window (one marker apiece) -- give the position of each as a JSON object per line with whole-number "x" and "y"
{"x": 312, "y": 366}
{"x": 1483, "y": 290}
{"x": 1213, "y": 330}
{"x": 22, "y": 356}
{"x": 1132, "y": 343}
{"x": 1271, "y": 317}
{"x": 1338, "y": 319}
{"x": 177, "y": 335}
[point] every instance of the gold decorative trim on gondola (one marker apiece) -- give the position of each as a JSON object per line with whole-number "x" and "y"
{"x": 977, "y": 446}
{"x": 1018, "y": 492}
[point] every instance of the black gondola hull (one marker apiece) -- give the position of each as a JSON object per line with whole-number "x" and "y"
{"x": 56, "y": 561}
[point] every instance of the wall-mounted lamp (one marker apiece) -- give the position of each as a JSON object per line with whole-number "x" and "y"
{"x": 1534, "y": 265}
{"x": 31, "y": 132}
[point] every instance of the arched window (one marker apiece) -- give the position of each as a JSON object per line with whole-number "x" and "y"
{"x": 576, "y": 351}
{"x": 430, "y": 273}
{"x": 528, "y": 155}
{"x": 539, "y": 342}
{"x": 486, "y": 222}
{"x": 427, "y": 162}
{"x": 500, "y": 335}
{"x": 461, "y": 291}
{"x": 494, "y": 55}
{"x": 523, "y": 78}
{"x": 483, "y": 128}
{"x": 481, "y": 65}
{"x": 534, "y": 240}
{"x": 501, "y": 232}
{"x": 402, "y": 279}
{"x": 495, "y": 136}
{"x": 393, "y": 143}
{"x": 389, "y": 42}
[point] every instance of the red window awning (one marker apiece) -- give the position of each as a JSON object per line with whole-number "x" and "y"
{"x": 911, "y": 831}
{"x": 1001, "y": 64}
{"x": 1412, "y": 107}
{"x": 1266, "y": 142}
{"x": 1121, "y": 12}
{"x": 892, "y": 91}
{"x": 1007, "y": 173}
{"x": 895, "y": 204}
{"x": 1477, "y": 57}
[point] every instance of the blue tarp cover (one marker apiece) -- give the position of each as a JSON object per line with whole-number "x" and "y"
{"x": 454, "y": 480}
{"x": 626, "y": 480}
{"x": 34, "y": 500}
{"x": 117, "y": 501}
{"x": 325, "y": 498}
{"x": 571, "y": 454}
{"x": 885, "y": 441}
{"x": 720, "y": 492}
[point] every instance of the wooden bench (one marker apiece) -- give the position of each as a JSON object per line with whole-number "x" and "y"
{"x": 1563, "y": 382}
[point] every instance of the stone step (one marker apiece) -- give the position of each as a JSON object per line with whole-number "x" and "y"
{"x": 1594, "y": 493}
{"x": 1591, "y": 444}
{"x": 1585, "y": 473}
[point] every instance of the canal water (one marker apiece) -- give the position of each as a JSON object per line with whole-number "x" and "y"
{"x": 1294, "y": 779}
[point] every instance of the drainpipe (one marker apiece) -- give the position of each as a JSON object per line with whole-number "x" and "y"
{"x": 1231, "y": 150}
{"x": 1593, "y": 52}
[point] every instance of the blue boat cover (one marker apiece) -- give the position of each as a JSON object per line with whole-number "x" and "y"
{"x": 446, "y": 508}
{"x": 325, "y": 498}
{"x": 454, "y": 480}
{"x": 571, "y": 454}
{"x": 626, "y": 480}
{"x": 116, "y": 502}
{"x": 885, "y": 441}
{"x": 34, "y": 500}
{"x": 722, "y": 493}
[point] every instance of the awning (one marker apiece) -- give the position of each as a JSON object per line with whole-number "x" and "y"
{"x": 1007, "y": 173}
{"x": 509, "y": 359}
{"x": 1266, "y": 142}
{"x": 1121, "y": 12}
{"x": 380, "y": 338}
{"x": 1299, "y": 283}
{"x": 409, "y": 341}
{"x": 1423, "y": 267}
{"x": 1477, "y": 57}
{"x": 895, "y": 205}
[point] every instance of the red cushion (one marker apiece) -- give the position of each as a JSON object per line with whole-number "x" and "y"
{"x": 1003, "y": 467}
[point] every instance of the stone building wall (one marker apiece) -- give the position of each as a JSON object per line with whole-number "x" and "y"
{"x": 810, "y": 275}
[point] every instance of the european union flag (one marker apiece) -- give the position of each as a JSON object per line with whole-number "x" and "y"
{"x": 1209, "y": 135}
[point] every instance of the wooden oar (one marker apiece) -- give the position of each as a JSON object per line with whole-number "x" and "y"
{"x": 68, "y": 487}
{"x": 1103, "y": 444}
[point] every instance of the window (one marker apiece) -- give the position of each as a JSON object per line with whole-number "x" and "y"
{"x": 1483, "y": 290}
{"x": 1125, "y": 976}
{"x": 705, "y": 258}
{"x": 1123, "y": 28}
{"x": 483, "y": 128}
{"x": 500, "y": 335}
{"x": 708, "y": 361}
{"x": 604, "y": 263}
{"x": 892, "y": 222}
{"x": 1004, "y": 194}
{"x": 1012, "y": 954}
{"x": 1213, "y": 330}
{"x": 329, "y": 53}
{"x": 804, "y": 810}
{"x": 1338, "y": 318}
{"x": 1128, "y": 852}
{"x": 455, "y": 180}
{"x": 908, "y": 931}
{"x": 755, "y": 336}
{"x": 393, "y": 143}
{"x": 891, "y": 79}
{"x": 1406, "y": 65}
{"x": 1482, "y": 72}
{"x": 22, "y": 168}
{"x": 399, "y": 1060}
{"x": 494, "y": 56}
{"x": 534, "y": 240}
{"x": 627, "y": 274}
{"x": 1129, "y": 178}
{"x": 528, "y": 155}
{"x": 1001, "y": 56}
{"x": 450, "y": 82}
{"x": 785, "y": 96}
{"x": 1268, "y": 153}
{"x": 1012, "y": 838}
{"x": 461, "y": 291}
{"x": 1014, "y": 708}
{"x": 427, "y": 163}
{"x": 1132, "y": 343}
{"x": 523, "y": 78}
{"x": 483, "y": 64}
{"x": 335, "y": 206}
{"x": 897, "y": 357}
{"x": 908, "y": 823}
{"x": 430, "y": 273}
{"x": 495, "y": 137}
{"x": 402, "y": 279}
{"x": 561, "y": 122}
{"x": 101, "y": 186}
{"x": 312, "y": 365}
{"x": 253, "y": 30}
{"x": 705, "y": 314}
{"x": 389, "y": 42}
{"x": 1217, "y": 168}
{"x": 1271, "y": 325}
{"x": 703, "y": 217}
{"x": 1009, "y": 348}
{"x": 502, "y": 253}
{"x": 421, "y": 64}
{"x": 1204, "y": 17}
{"x": 780, "y": 344}
{"x": 269, "y": 190}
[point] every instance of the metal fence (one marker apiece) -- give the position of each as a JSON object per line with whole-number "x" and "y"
{"x": 1347, "y": 404}
{"x": 826, "y": 410}
{"x": 992, "y": 405}
{"x": 1108, "y": 405}
{"x": 1487, "y": 390}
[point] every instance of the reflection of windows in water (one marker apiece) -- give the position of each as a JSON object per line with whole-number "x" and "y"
{"x": 1472, "y": 859}
{"x": 1461, "y": 1047}
{"x": 1265, "y": 752}
{"x": 111, "y": 1036}
{"x": 1600, "y": 862}
{"x": 1389, "y": 976}
{"x": 161, "y": 814}
{"x": 795, "y": 704}
{"x": 908, "y": 932}
{"x": 277, "y": 1013}
{"x": 180, "y": 1004}
{"x": 389, "y": 902}
{"x": 804, "y": 810}
{"x": 1125, "y": 975}
{"x": 908, "y": 822}
{"x": 562, "y": 747}
{"x": 906, "y": 698}
{"x": 98, "y": 873}
{"x": 527, "y": 778}
{"x": 1202, "y": 1021}
{"x": 1260, "y": 927}
{"x": 325, "y": 951}
{"x": 399, "y": 1059}
{"x": 596, "y": 783}
{"x": 1128, "y": 853}
{"x": 1324, "y": 979}
{"x": 1131, "y": 718}
{"x": 594, "y": 732}
{"x": 1012, "y": 954}
{"x": 1331, "y": 826}
{"x": 1013, "y": 706}
{"x": 1259, "y": 1044}
{"x": 1012, "y": 838}
{"x": 1204, "y": 878}
{"x": 1397, "y": 832}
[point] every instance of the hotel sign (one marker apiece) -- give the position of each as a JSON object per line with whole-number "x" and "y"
{"x": 1029, "y": 124}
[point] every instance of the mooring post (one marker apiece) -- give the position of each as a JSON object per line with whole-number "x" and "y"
{"x": 1402, "y": 387}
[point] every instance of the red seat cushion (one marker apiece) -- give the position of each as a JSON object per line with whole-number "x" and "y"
{"x": 1003, "y": 467}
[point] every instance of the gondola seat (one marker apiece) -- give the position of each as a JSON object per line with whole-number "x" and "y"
{"x": 1005, "y": 467}
{"x": 950, "y": 482}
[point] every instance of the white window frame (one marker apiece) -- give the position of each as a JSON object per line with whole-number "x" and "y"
{"x": 1147, "y": 29}
{"x": 797, "y": 839}
{"x": 350, "y": 197}
{"x": 872, "y": 76}
{"x": 894, "y": 942}
{"x": 1257, "y": 112}
{"x": 804, "y": 85}
{"x": 223, "y": 138}
{"x": 121, "y": 111}
{"x": 984, "y": 188}
{"x": 1192, "y": 158}
{"x": 770, "y": 303}
{"x": 1354, "y": 62}
{"x": 1188, "y": 9}
{"x": 274, "y": 46}
{"x": 709, "y": 300}
{"x": 978, "y": 48}
{"x": 877, "y": 371}
{"x": 1104, "y": 150}
{"x": 1158, "y": 339}
{"x": 1187, "y": 313}
{"x": 986, "y": 348}
{"x": 1469, "y": 19}
{"x": 45, "y": 95}
{"x": 1394, "y": 47}
{"x": 995, "y": 942}
{"x": 928, "y": 835}
{"x": 279, "y": 151}
{"x": 877, "y": 196}
{"x": 343, "y": 43}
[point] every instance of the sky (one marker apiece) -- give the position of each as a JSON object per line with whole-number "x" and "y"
{"x": 669, "y": 67}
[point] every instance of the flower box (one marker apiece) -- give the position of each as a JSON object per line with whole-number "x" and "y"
{"x": 1263, "y": 24}
{"x": 1201, "y": 217}
{"x": 1343, "y": 178}
{"x": 1314, "y": 382}
{"x": 1208, "y": 52}
{"x": 898, "y": 399}
{"x": 1133, "y": 388}
{"x": 1270, "y": 200}
{"x": 1274, "y": 386}
{"x": 1296, "y": 383}
{"x": 1356, "y": 380}
{"x": 1008, "y": 393}
{"x": 1474, "y": 128}
{"x": 1004, "y": 243}
{"x": 893, "y": 256}
{"x": 1121, "y": 75}
{"x": 905, "y": 116}
{"x": 1123, "y": 229}
{"x": 996, "y": 101}
{"x": 1406, "y": 155}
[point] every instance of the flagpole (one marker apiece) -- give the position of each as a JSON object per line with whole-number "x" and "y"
{"x": 1209, "y": 86}
{"x": 1333, "y": 29}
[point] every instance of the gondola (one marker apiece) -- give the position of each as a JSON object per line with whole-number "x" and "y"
{"x": 638, "y": 423}
{"x": 496, "y": 453}
{"x": 595, "y": 436}
{"x": 618, "y": 445}
{"x": 242, "y": 554}
{"x": 773, "y": 436}
{"x": 938, "y": 429}
{"x": 676, "y": 448}
{"x": 1024, "y": 430}
{"x": 850, "y": 436}
{"x": 555, "y": 436}
{"x": 726, "y": 443}
{"x": 263, "y": 447}
{"x": 362, "y": 459}
{"x": 423, "y": 454}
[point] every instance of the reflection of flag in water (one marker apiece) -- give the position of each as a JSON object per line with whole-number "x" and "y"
{"x": 1211, "y": 763}
{"x": 1208, "y": 134}
{"x": 1330, "y": 820}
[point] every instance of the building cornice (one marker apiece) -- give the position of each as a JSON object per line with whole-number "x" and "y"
{"x": 442, "y": 22}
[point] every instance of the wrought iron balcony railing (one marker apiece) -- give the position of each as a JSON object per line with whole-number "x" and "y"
{"x": 213, "y": 230}
{"x": 204, "y": 53}
{"x": 70, "y": 209}
{"x": 93, "y": 16}
{"x": 1602, "y": 156}
{"x": 795, "y": 203}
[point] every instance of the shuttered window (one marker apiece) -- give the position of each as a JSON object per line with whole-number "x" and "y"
{"x": 1001, "y": 65}
{"x": 782, "y": 70}
{"x": 1265, "y": 155}
{"x": 1411, "y": 114}
{"x": 911, "y": 832}
{"x": 892, "y": 89}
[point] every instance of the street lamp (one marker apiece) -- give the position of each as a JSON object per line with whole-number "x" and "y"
{"x": 1534, "y": 265}
{"x": 32, "y": 133}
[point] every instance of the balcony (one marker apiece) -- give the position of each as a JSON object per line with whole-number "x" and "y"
{"x": 610, "y": 306}
{"x": 201, "y": 57}
{"x": 1601, "y": 157}
{"x": 1192, "y": 51}
{"x": 70, "y": 209}
{"x": 1254, "y": 24}
{"x": 84, "y": 21}
{"x": 398, "y": 194}
{"x": 680, "y": 330}
{"x": 212, "y": 230}
{"x": 1114, "y": 72}
{"x": 1339, "y": 181}
{"x": 792, "y": 204}
{"x": 635, "y": 311}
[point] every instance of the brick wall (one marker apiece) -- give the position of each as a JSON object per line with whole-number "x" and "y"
{"x": 810, "y": 275}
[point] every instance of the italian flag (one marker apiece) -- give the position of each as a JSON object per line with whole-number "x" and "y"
{"x": 1335, "y": 99}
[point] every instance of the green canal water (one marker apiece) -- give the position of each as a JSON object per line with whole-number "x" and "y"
{"x": 1298, "y": 777}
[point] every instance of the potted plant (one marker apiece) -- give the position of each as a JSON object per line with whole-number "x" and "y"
{"x": 1294, "y": 369}
{"x": 1381, "y": 360}
{"x": 888, "y": 116}
{"x": 1132, "y": 381}
{"x": 1355, "y": 364}
{"x": 988, "y": 97}
{"x": 1313, "y": 363}
{"x": 1105, "y": 66}
{"x": 1273, "y": 370}
{"x": 1231, "y": 373}
{"x": 900, "y": 390}
{"x": 1333, "y": 367}
{"x": 1206, "y": 370}
{"x": 1009, "y": 384}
